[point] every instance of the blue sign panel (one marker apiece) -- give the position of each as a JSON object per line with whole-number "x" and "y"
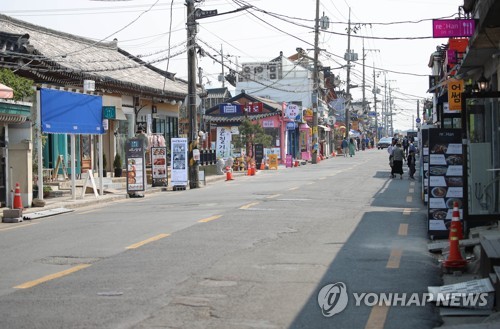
{"x": 290, "y": 125}
{"x": 230, "y": 109}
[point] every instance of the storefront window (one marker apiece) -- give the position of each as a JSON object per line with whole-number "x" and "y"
{"x": 483, "y": 156}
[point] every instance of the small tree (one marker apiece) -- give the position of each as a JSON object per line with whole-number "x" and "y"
{"x": 250, "y": 134}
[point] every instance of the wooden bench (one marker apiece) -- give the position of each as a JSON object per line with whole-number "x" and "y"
{"x": 490, "y": 254}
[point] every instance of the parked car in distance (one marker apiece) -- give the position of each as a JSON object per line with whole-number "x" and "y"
{"x": 384, "y": 142}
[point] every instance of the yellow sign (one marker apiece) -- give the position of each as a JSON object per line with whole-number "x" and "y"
{"x": 273, "y": 161}
{"x": 314, "y": 130}
{"x": 455, "y": 90}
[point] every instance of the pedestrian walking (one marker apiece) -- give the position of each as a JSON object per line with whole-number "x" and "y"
{"x": 352, "y": 147}
{"x": 398, "y": 156}
{"x": 411, "y": 161}
{"x": 345, "y": 147}
{"x": 406, "y": 143}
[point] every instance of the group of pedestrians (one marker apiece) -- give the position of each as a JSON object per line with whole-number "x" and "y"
{"x": 398, "y": 154}
{"x": 348, "y": 147}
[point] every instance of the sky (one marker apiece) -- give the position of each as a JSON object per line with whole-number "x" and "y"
{"x": 396, "y": 34}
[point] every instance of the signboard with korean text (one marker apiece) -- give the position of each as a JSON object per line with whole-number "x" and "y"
{"x": 108, "y": 112}
{"x": 453, "y": 28}
{"x": 273, "y": 161}
{"x": 289, "y": 161}
{"x": 292, "y": 112}
{"x": 136, "y": 178}
{"x": 254, "y": 107}
{"x": 259, "y": 154}
{"x": 455, "y": 90}
{"x": 179, "y": 164}
{"x": 230, "y": 109}
{"x": 159, "y": 165}
{"x": 223, "y": 142}
{"x": 445, "y": 179}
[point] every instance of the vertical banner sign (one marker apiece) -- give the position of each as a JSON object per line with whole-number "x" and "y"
{"x": 455, "y": 90}
{"x": 135, "y": 165}
{"x": 179, "y": 171}
{"x": 289, "y": 161}
{"x": 159, "y": 165}
{"x": 223, "y": 141}
{"x": 445, "y": 179}
{"x": 425, "y": 164}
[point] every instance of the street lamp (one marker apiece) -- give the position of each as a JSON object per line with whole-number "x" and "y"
{"x": 483, "y": 83}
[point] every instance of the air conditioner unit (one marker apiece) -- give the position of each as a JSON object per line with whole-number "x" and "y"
{"x": 247, "y": 69}
{"x": 273, "y": 76}
{"x": 272, "y": 68}
{"x": 247, "y": 76}
{"x": 258, "y": 69}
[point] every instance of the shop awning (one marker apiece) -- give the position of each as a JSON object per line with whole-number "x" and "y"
{"x": 6, "y": 92}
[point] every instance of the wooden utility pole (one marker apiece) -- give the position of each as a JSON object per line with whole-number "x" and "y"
{"x": 191, "y": 99}
{"x": 348, "y": 80}
{"x": 315, "y": 92}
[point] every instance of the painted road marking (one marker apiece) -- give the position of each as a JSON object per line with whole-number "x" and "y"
{"x": 142, "y": 243}
{"x": 273, "y": 196}
{"x": 407, "y": 211}
{"x": 249, "y": 205}
{"x": 409, "y": 198}
{"x": 208, "y": 219}
{"x": 49, "y": 277}
{"x": 403, "y": 229}
{"x": 412, "y": 184}
{"x": 293, "y": 188}
{"x": 377, "y": 317}
{"x": 394, "y": 258}
{"x": 18, "y": 226}
{"x": 412, "y": 190}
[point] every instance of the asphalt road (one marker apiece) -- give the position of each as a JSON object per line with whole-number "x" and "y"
{"x": 250, "y": 253}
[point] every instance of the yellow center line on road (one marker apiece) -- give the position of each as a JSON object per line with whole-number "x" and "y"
{"x": 394, "y": 258}
{"x": 142, "y": 243}
{"x": 249, "y": 205}
{"x": 407, "y": 211}
{"x": 18, "y": 226}
{"x": 49, "y": 277}
{"x": 208, "y": 219}
{"x": 377, "y": 317}
{"x": 273, "y": 196}
{"x": 403, "y": 229}
{"x": 409, "y": 198}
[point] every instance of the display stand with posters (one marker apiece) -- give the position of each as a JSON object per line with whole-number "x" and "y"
{"x": 179, "y": 163}
{"x": 445, "y": 179}
{"x": 159, "y": 166}
{"x": 136, "y": 178}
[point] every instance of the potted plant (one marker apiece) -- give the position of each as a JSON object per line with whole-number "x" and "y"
{"x": 46, "y": 190}
{"x": 117, "y": 165}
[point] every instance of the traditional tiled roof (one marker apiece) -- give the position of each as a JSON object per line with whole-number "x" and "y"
{"x": 64, "y": 58}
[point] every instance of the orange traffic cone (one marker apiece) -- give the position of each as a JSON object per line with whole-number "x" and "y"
{"x": 456, "y": 224}
{"x": 229, "y": 174}
{"x": 18, "y": 202}
{"x": 455, "y": 259}
{"x": 262, "y": 165}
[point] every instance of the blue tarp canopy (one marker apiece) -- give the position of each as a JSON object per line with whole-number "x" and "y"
{"x": 64, "y": 112}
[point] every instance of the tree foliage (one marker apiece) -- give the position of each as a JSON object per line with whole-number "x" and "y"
{"x": 251, "y": 133}
{"x": 23, "y": 88}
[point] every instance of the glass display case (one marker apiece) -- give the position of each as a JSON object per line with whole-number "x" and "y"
{"x": 482, "y": 121}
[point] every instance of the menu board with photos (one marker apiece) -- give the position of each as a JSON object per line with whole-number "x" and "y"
{"x": 135, "y": 165}
{"x": 159, "y": 165}
{"x": 445, "y": 179}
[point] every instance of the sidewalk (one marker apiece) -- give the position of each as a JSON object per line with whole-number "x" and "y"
{"x": 110, "y": 195}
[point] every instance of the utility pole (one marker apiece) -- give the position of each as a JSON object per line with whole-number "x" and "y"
{"x": 375, "y": 105}
{"x": 348, "y": 80}
{"x": 315, "y": 95}
{"x": 191, "y": 99}
{"x": 222, "y": 60}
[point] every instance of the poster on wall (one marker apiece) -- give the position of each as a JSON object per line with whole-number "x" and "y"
{"x": 159, "y": 165}
{"x": 135, "y": 165}
{"x": 445, "y": 179}
{"x": 179, "y": 164}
